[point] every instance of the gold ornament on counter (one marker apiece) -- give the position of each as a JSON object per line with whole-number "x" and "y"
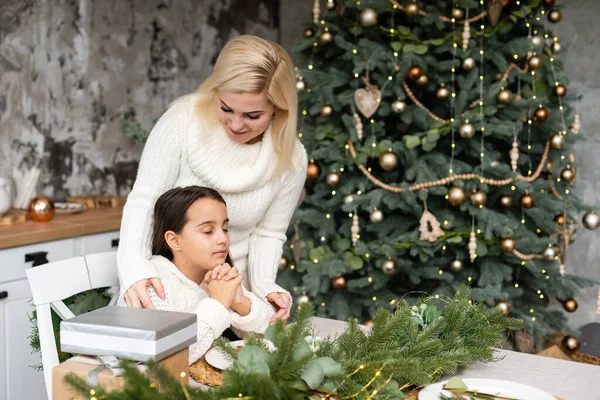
{"x": 313, "y": 171}
{"x": 458, "y": 13}
{"x": 376, "y": 216}
{"x": 527, "y": 201}
{"x": 456, "y": 266}
{"x": 429, "y": 227}
{"x": 478, "y": 198}
{"x": 443, "y": 93}
{"x": 557, "y": 141}
{"x": 508, "y": 245}
{"x": 505, "y": 96}
{"x": 456, "y": 196}
{"x": 541, "y": 114}
{"x": 568, "y": 175}
{"x": 560, "y": 90}
{"x": 504, "y": 306}
{"x": 554, "y": 16}
{"x": 326, "y": 37}
{"x": 412, "y": 9}
{"x": 415, "y": 72}
{"x": 388, "y": 160}
{"x": 339, "y": 283}
{"x": 423, "y": 80}
{"x": 308, "y": 33}
{"x": 514, "y": 154}
{"x": 389, "y": 266}
{"x": 333, "y": 179}
{"x": 368, "y": 17}
{"x": 570, "y": 305}
{"x": 549, "y": 253}
{"x": 506, "y": 201}
{"x": 591, "y": 220}
{"x": 398, "y": 106}
{"x": 41, "y": 209}
{"x": 326, "y": 110}
{"x": 534, "y": 62}
{"x": 570, "y": 344}
{"x": 468, "y": 63}
{"x": 466, "y": 130}
{"x": 283, "y": 263}
{"x": 300, "y": 85}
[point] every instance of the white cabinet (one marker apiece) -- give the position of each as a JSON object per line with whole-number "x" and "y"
{"x": 17, "y": 379}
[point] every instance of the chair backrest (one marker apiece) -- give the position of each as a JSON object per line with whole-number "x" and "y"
{"x": 53, "y": 282}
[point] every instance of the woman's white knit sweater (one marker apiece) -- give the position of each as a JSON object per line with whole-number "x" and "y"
{"x": 184, "y": 295}
{"x": 183, "y": 150}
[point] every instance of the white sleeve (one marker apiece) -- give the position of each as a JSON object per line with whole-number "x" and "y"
{"x": 157, "y": 172}
{"x": 266, "y": 241}
{"x": 257, "y": 321}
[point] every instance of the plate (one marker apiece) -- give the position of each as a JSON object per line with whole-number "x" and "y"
{"x": 219, "y": 360}
{"x": 68, "y": 208}
{"x": 490, "y": 386}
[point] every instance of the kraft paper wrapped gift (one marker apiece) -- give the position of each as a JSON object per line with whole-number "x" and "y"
{"x": 130, "y": 333}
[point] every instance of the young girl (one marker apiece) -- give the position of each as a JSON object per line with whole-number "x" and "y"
{"x": 190, "y": 248}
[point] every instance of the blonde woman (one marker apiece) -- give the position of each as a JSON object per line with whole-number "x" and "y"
{"x": 237, "y": 135}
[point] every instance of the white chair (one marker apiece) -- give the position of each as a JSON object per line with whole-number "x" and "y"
{"x": 53, "y": 282}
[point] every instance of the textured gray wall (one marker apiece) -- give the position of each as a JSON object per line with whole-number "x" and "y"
{"x": 69, "y": 69}
{"x": 579, "y": 34}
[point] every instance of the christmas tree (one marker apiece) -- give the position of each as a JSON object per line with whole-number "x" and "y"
{"x": 439, "y": 134}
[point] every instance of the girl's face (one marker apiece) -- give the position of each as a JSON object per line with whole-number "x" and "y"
{"x": 245, "y": 115}
{"x": 204, "y": 240}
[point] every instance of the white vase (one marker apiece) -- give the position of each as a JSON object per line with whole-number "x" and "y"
{"x": 5, "y": 196}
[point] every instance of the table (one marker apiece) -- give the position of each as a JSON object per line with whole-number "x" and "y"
{"x": 566, "y": 379}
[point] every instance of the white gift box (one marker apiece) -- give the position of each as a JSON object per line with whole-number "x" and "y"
{"x": 129, "y": 333}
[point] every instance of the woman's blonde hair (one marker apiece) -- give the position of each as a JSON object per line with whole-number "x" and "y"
{"x": 251, "y": 64}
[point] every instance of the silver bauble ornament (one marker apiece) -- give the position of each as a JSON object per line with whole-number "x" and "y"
{"x": 567, "y": 175}
{"x": 303, "y": 299}
{"x": 466, "y": 130}
{"x": 348, "y": 199}
{"x": 468, "y": 63}
{"x": 398, "y": 106}
{"x": 388, "y": 160}
{"x": 456, "y": 265}
{"x": 549, "y": 254}
{"x": 330, "y": 5}
{"x": 376, "y": 216}
{"x": 389, "y": 267}
{"x": 591, "y": 220}
{"x": 537, "y": 41}
{"x": 300, "y": 85}
{"x": 557, "y": 141}
{"x": 333, "y": 179}
{"x": 368, "y": 17}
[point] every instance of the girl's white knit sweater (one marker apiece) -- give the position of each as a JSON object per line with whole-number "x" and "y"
{"x": 184, "y": 295}
{"x": 184, "y": 150}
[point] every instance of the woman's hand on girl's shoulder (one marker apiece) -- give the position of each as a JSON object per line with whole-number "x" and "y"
{"x": 137, "y": 294}
{"x": 281, "y": 301}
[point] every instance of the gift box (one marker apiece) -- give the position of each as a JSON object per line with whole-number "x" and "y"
{"x": 130, "y": 333}
{"x": 96, "y": 373}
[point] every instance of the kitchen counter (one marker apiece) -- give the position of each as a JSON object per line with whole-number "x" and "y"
{"x": 87, "y": 222}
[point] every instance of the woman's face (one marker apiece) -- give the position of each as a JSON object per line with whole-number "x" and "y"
{"x": 245, "y": 115}
{"x": 204, "y": 240}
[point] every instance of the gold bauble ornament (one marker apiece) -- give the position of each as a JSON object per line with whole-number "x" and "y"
{"x": 468, "y": 63}
{"x": 339, "y": 283}
{"x": 549, "y": 253}
{"x": 534, "y": 62}
{"x": 478, "y": 198}
{"x": 423, "y": 80}
{"x": 555, "y": 47}
{"x": 300, "y": 85}
{"x": 388, "y": 160}
{"x": 41, "y": 209}
{"x": 389, "y": 266}
{"x": 412, "y": 9}
{"x": 557, "y": 141}
{"x": 283, "y": 263}
{"x": 442, "y": 93}
{"x": 326, "y": 37}
{"x": 398, "y": 106}
{"x": 527, "y": 201}
{"x": 537, "y": 41}
{"x": 456, "y": 196}
{"x": 560, "y": 220}
{"x": 504, "y": 306}
{"x": 303, "y": 299}
{"x": 313, "y": 171}
{"x": 458, "y": 13}
{"x": 348, "y": 199}
{"x": 376, "y": 216}
{"x": 591, "y": 220}
{"x": 570, "y": 344}
{"x": 567, "y": 175}
{"x": 333, "y": 179}
{"x": 308, "y": 33}
{"x": 414, "y": 72}
{"x": 326, "y": 110}
{"x": 570, "y": 305}
{"x": 554, "y": 16}
{"x": 330, "y": 5}
{"x": 506, "y": 201}
{"x": 456, "y": 265}
{"x": 541, "y": 114}
{"x": 466, "y": 130}
{"x": 560, "y": 90}
{"x": 368, "y": 17}
{"x": 508, "y": 245}
{"x": 505, "y": 96}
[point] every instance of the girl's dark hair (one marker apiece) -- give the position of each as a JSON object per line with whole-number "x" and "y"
{"x": 170, "y": 214}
